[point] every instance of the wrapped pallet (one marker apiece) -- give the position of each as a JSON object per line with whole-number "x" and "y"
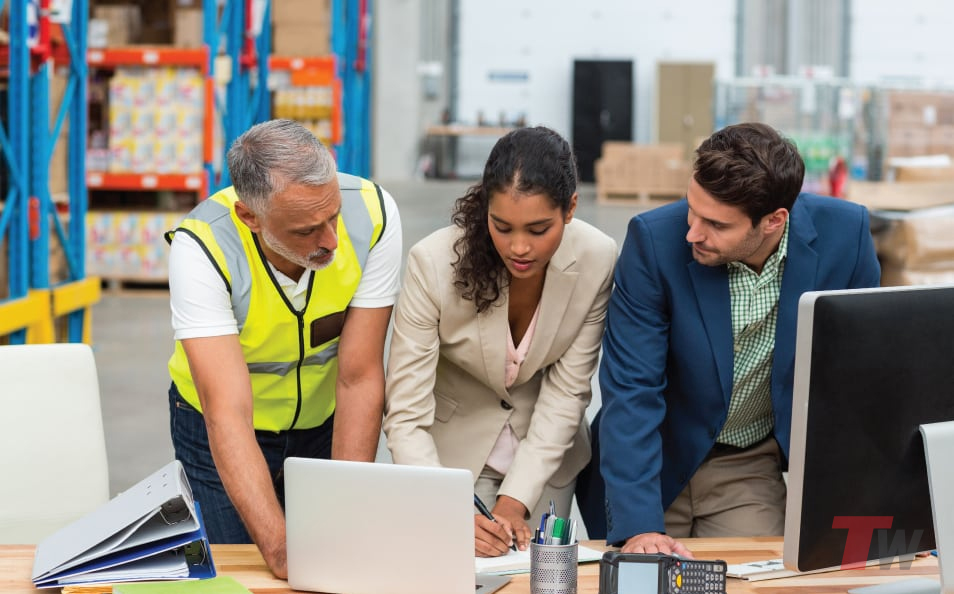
{"x": 641, "y": 171}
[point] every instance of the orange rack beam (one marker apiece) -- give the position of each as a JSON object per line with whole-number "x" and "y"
{"x": 191, "y": 182}
{"x": 149, "y": 56}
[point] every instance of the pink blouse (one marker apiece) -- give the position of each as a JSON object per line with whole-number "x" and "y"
{"x": 501, "y": 456}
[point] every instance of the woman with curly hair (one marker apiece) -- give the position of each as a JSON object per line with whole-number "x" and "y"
{"x": 496, "y": 337}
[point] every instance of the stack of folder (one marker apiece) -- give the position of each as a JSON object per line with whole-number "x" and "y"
{"x": 153, "y": 531}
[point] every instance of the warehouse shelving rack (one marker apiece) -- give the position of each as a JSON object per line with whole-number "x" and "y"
{"x": 30, "y": 218}
{"x": 246, "y": 103}
{"x": 157, "y": 56}
{"x": 29, "y": 221}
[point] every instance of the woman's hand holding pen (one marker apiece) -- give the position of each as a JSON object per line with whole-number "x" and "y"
{"x": 504, "y": 529}
{"x": 491, "y": 538}
{"x": 511, "y": 511}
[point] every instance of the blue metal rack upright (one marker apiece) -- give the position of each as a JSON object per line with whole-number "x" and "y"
{"x": 351, "y": 43}
{"x": 246, "y": 104}
{"x": 14, "y": 222}
{"x": 29, "y": 216}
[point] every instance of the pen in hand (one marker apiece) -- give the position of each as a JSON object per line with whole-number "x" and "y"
{"x": 486, "y": 513}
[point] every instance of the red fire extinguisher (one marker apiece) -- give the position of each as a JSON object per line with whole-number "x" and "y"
{"x": 837, "y": 176}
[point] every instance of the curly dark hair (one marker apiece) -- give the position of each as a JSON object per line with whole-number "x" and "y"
{"x": 526, "y": 161}
{"x": 750, "y": 166}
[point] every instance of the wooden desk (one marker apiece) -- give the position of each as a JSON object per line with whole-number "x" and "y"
{"x": 446, "y": 136}
{"x": 244, "y": 563}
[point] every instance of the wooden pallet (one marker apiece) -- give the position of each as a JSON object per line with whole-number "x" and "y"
{"x": 637, "y": 198}
{"x": 132, "y": 284}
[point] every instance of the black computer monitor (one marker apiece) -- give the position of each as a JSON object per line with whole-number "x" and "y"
{"x": 871, "y": 366}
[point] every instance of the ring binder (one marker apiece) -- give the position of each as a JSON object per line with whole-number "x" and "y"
{"x": 153, "y": 531}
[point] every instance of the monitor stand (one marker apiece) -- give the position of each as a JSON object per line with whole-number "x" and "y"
{"x": 938, "y": 453}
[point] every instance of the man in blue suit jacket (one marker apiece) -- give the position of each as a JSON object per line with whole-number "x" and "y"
{"x": 699, "y": 349}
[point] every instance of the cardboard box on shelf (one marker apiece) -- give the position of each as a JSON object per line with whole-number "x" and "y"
{"x": 301, "y": 12}
{"x": 918, "y": 242}
{"x": 128, "y": 245}
{"x": 301, "y": 40}
{"x": 942, "y": 140}
{"x": 59, "y": 167}
{"x": 920, "y": 108}
{"x": 156, "y": 24}
{"x": 59, "y": 159}
{"x": 908, "y": 141}
{"x": 97, "y": 33}
{"x": 187, "y": 27}
{"x": 123, "y": 23}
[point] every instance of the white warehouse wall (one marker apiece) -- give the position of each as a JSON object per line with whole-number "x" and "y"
{"x": 889, "y": 41}
{"x": 902, "y": 41}
{"x": 541, "y": 40}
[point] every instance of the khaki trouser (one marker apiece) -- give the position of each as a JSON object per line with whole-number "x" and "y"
{"x": 736, "y": 492}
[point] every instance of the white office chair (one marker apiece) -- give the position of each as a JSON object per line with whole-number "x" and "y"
{"x": 53, "y": 466}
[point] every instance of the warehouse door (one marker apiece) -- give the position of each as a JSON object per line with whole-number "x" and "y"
{"x": 602, "y": 108}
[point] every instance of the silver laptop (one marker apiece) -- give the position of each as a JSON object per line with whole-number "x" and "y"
{"x": 363, "y": 528}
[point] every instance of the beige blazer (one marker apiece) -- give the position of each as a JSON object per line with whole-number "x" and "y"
{"x": 445, "y": 401}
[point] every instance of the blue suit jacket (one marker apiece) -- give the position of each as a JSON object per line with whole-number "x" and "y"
{"x": 666, "y": 373}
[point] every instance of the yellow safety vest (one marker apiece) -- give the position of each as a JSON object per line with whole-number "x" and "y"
{"x": 293, "y": 379}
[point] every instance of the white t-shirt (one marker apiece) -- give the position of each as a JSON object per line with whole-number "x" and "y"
{"x": 201, "y": 305}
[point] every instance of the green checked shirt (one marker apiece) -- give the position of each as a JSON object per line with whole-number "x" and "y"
{"x": 754, "y": 301}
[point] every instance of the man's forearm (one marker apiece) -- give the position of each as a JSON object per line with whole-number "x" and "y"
{"x": 358, "y": 412}
{"x": 247, "y": 480}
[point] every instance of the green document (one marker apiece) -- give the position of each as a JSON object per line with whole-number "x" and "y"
{"x": 222, "y": 584}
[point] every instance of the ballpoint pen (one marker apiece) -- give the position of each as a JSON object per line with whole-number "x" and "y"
{"x": 486, "y": 513}
{"x": 543, "y": 528}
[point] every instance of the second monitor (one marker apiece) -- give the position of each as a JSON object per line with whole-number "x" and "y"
{"x": 871, "y": 366}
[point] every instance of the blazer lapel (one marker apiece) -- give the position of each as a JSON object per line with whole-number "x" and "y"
{"x": 493, "y": 325}
{"x": 557, "y": 292}
{"x": 801, "y": 265}
{"x": 711, "y": 284}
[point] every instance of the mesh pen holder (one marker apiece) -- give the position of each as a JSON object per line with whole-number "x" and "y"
{"x": 553, "y": 568}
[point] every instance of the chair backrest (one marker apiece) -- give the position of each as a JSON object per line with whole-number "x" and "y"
{"x": 53, "y": 466}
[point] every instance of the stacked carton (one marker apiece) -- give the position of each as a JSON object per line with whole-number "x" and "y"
{"x": 186, "y": 23}
{"x": 114, "y": 25}
{"x": 301, "y": 27}
{"x": 641, "y": 171}
{"x": 313, "y": 106}
{"x": 59, "y": 158}
{"x": 155, "y": 120}
{"x": 915, "y": 248}
{"x": 920, "y": 123}
{"x": 127, "y": 245}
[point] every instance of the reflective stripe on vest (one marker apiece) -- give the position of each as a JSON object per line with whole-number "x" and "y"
{"x": 293, "y": 380}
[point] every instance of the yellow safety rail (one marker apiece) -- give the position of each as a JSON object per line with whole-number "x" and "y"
{"x": 30, "y": 313}
{"x": 81, "y": 294}
{"x": 37, "y": 312}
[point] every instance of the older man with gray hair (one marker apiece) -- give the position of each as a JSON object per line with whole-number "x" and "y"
{"x": 281, "y": 288}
